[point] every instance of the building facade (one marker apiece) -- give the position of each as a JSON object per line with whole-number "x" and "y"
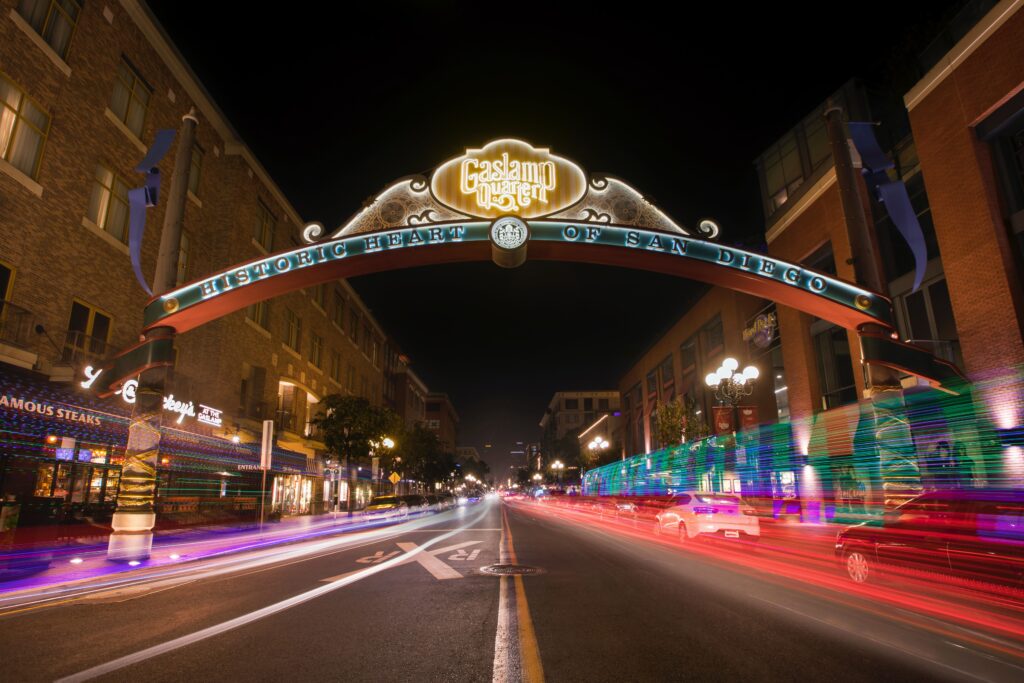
{"x": 442, "y": 419}
{"x": 84, "y": 88}
{"x": 956, "y": 142}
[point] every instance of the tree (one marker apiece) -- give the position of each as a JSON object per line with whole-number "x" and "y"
{"x": 352, "y": 429}
{"x": 670, "y": 422}
{"x": 695, "y": 427}
{"x": 679, "y": 421}
{"x": 423, "y": 458}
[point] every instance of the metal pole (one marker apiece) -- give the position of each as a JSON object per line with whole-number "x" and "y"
{"x": 263, "y": 497}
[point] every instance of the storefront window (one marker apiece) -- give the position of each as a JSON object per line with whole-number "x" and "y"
{"x": 44, "y": 481}
{"x": 110, "y": 492}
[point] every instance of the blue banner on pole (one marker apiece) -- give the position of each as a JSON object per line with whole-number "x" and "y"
{"x": 141, "y": 198}
{"x": 891, "y": 193}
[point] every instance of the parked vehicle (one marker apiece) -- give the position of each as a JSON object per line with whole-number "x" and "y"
{"x": 973, "y": 533}
{"x": 386, "y": 506}
{"x": 692, "y": 514}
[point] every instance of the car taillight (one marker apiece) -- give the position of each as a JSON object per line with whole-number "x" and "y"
{"x": 750, "y": 511}
{"x": 704, "y": 510}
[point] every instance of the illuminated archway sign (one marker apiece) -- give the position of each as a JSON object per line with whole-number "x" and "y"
{"x": 500, "y": 202}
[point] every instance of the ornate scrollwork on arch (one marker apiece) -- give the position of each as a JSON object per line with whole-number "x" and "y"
{"x": 406, "y": 203}
{"x": 610, "y": 200}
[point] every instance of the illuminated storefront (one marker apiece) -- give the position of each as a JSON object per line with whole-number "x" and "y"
{"x": 61, "y": 454}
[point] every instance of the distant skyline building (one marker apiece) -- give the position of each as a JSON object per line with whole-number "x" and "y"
{"x": 573, "y": 410}
{"x": 442, "y": 419}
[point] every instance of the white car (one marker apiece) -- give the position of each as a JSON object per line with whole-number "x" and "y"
{"x": 696, "y": 513}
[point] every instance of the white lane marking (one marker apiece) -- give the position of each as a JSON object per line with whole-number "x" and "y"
{"x": 439, "y": 569}
{"x": 506, "y": 641}
{"x": 464, "y": 556}
{"x": 231, "y": 624}
{"x": 405, "y": 559}
{"x": 377, "y": 557}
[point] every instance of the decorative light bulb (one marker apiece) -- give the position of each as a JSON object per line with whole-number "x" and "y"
{"x": 724, "y": 373}
{"x": 711, "y": 380}
{"x": 739, "y": 379}
{"x": 751, "y": 372}
{"x": 730, "y": 363}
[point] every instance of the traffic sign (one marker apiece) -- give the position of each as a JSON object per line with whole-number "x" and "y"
{"x": 394, "y": 478}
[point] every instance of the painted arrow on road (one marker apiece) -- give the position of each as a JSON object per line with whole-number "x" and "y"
{"x": 429, "y": 560}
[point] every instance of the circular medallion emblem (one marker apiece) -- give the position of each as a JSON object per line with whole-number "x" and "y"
{"x": 509, "y": 232}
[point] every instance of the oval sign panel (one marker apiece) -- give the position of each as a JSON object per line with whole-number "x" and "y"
{"x": 508, "y": 177}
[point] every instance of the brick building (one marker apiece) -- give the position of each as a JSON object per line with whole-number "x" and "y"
{"x": 84, "y": 87}
{"x": 442, "y": 419}
{"x": 957, "y": 142}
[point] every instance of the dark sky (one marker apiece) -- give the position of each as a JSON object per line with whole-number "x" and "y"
{"x": 336, "y": 106}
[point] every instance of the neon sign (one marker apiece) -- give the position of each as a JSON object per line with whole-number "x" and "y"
{"x": 506, "y": 184}
{"x": 508, "y": 177}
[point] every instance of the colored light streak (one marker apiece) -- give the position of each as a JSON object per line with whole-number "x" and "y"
{"x": 799, "y": 558}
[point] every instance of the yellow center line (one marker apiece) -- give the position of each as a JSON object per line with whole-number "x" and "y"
{"x": 529, "y": 651}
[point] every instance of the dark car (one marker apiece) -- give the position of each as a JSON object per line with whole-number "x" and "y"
{"x": 975, "y": 534}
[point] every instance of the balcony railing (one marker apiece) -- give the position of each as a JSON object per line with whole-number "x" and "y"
{"x": 80, "y": 348}
{"x": 16, "y": 325}
{"x": 946, "y": 349}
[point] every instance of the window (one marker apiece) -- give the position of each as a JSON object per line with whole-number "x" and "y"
{"x": 835, "y": 365}
{"x": 652, "y": 388}
{"x": 350, "y": 379}
{"x": 927, "y": 319}
{"x": 714, "y": 337}
{"x": 54, "y": 20}
{"x": 336, "y": 366}
{"x": 320, "y": 296}
{"x": 257, "y": 313}
{"x": 293, "y": 330}
{"x": 108, "y": 204}
{"x": 195, "y": 170}
{"x": 263, "y": 231}
{"x": 602, "y": 404}
{"x": 668, "y": 379}
{"x": 588, "y": 404}
{"x": 184, "y": 249}
{"x": 375, "y": 353}
{"x": 782, "y": 171}
{"x": 88, "y": 333}
{"x": 254, "y": 381}
{"x": 338, "y": 312}
{"x": 353, "y": 324}
{"x": 316, "y": 345}
{"x": 130, "y": 98}
{"x": 6, "y": 278}
{"x": 23, "y": 129}
{"x": 572, "y": 404}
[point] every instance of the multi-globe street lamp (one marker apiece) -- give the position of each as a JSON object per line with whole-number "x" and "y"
{"x": 729, "y": 385}
{"x": 558, "y": 466}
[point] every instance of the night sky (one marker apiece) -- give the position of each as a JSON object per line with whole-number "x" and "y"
{"x": 679, "y": 106}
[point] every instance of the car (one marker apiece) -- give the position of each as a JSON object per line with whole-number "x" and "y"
{"x": 386, "y": 506}
{"x": 416, "y": 502}
{"x": 975, "y": 534}
{"x": 695, "y": 514}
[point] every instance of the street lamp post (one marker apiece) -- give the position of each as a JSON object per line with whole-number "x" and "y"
{"x": 558, "y": 466}
{"x": 731, "y": 387}
{"x": 598, "y": 444}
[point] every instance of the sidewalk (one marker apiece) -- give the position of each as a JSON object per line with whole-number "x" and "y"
{"x": 50, "y": 566}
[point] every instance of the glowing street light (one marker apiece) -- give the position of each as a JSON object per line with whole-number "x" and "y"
{"x": 729, "y": 385}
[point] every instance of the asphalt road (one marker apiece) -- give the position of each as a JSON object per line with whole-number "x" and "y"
{"x": 410, "y": 603}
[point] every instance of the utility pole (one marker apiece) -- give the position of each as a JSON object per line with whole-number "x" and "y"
{"x": 135, "y": 515}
